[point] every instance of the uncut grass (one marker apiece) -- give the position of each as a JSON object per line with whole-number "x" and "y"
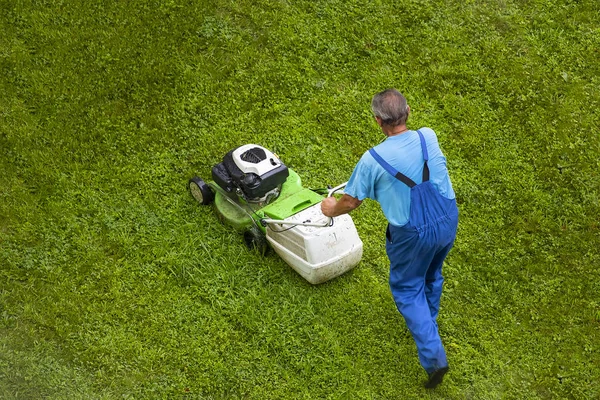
{"x": 114, "y": 283}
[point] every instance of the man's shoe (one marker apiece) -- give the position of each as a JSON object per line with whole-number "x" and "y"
{"x": 436, "y": 377}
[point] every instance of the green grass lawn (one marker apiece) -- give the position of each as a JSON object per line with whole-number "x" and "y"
{"x": 114, "y": 283}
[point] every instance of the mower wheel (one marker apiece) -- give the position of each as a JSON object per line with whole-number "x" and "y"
{"x": 201, "y": 191}
{"x": 256, "y": 240}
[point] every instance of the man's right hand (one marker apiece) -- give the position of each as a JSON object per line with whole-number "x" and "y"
{"x": 333, "y": 208}
{"x": 328, "y": 206}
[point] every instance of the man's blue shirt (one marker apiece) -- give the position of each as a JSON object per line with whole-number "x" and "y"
{"x": 403, "y": 152}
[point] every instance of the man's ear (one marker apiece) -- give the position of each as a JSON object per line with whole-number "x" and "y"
{"x": 379, "y": 121}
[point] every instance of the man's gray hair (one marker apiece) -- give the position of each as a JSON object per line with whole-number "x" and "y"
{"x": 390, "y": 105}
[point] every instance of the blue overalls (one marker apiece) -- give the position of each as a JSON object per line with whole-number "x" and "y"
{"x": 417, "y": 251}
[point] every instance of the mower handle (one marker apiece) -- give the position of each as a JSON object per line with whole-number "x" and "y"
{"x": 335, "y": 189}
{"x": 331, "y": 192}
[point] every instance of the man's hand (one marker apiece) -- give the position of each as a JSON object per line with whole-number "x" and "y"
{"x": 328, "y": 206}
{"x": 332, "y": 208}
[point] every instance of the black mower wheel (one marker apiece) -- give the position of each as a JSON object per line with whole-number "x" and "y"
{"x": 256, "y": 240}
{"x": 201, "y": 191}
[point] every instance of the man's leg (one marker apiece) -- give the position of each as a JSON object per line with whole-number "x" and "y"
{"x": 409, "y": 261}
{"x": 434, "y": 281}
{"x": 412, "y": 303}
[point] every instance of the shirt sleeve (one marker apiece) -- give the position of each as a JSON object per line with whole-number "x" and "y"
{"x": 361, "y": 184}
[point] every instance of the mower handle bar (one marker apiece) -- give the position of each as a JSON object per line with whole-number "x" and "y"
{"x": 330, "y": 193}
{"x": 335, "y": 189}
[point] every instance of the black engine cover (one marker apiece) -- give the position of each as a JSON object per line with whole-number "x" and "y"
{"x": 228, "y": 176}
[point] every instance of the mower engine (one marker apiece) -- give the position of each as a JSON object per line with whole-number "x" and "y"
{"x": 251, "y": 172}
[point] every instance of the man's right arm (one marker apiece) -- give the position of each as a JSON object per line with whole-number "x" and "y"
{"x": 332, "y": 207}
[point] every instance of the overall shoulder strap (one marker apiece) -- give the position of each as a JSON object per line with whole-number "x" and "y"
{"x": 398, "y": 175}
{"x": 425, "y": 157}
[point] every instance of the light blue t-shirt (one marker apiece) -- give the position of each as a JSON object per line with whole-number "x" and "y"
{"x": 403, "y": 152}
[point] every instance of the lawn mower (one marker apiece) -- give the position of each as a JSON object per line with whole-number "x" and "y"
{"x": 258, "y": 195}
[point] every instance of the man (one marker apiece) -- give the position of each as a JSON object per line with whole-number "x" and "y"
{"x": 407, "y": 175}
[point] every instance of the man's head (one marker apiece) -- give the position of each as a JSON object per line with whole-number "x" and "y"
{"x": 390, "y": 108}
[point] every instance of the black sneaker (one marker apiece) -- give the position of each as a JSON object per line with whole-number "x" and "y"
{"x": 436, "y": 377}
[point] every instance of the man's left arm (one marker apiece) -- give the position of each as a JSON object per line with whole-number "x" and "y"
{"x": 332, "y": 207}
